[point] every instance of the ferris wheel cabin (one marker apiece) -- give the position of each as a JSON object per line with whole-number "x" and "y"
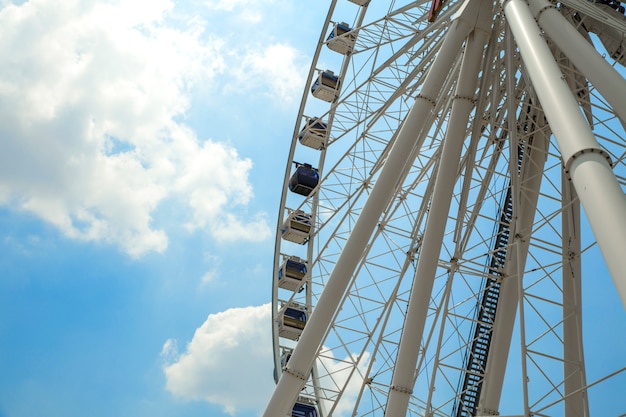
{"x": 326, "y": 86}
{"x": 291, "y": 273}
{"x": 304, "y": 180}
{"x": 360, "y": 2}
{"x": 341, "y": 39}
{"x": 297, "y": 227}
{"x": 314, "y": 133}
{"x": 291, "y": 321}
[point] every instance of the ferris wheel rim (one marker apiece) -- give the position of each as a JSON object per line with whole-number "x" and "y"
{"x": 364, "y": 190}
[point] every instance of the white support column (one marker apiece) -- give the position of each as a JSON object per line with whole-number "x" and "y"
{"x": 525, "y": 194}
{"x": 574, "y": 378}
{"x": 585, "y": 161}
{"x": 583, "y": 54}
{"x": 295, "y": 375}
{"x": 412, "y": 332}
{"x": 519, "y": 241}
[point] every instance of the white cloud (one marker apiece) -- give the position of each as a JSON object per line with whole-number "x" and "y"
{"x": 228, "y": 362}
{"x": 227, "y": 5}
{"x": 231, "y": 354}
{"x": 281, "y": 67}
{"x": 92, "y": 95}
{"x": 169, "y": 351}
{"x": 246, "y": 10}
{"x": 211, "y": 275}
{"x": 208, "y": 277}
{"x": 213, "y": 177}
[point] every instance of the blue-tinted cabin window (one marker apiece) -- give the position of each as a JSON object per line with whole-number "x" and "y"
{"x": 294, "y": 318}
{"x": 303, "y": 410}
{"x": 317, "y": 124}
{"x": 293, "y": 269}
{"x": 313, "y": 124}
{"x": 297, "y": 268}
{"x": 301, "y": 217}
{"x": 304, "y": 180}
{"x": 295, "y": 314}
{"x": 306, "y": 219}
{"x": 338, "y": 30}
{"x": 327, "y": 79}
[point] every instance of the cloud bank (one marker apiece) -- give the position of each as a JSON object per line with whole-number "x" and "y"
{"x": 228, "y": 362}
{"x": 93, "y": 98}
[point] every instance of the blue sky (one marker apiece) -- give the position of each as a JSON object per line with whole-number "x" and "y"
{"x": 143, "y": 147}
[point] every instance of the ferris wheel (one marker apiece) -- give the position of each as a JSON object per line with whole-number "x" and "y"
{"x": 431, "y": 245}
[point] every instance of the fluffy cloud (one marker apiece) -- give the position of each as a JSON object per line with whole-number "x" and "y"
{"x": 283, "y": 68}
{"x": 228, "y": 362}
{"x": 246, "y": 10}
{"x": 228, "y": 4}
{"x": 262, "y": 65}
{"x": 92, "y": 95}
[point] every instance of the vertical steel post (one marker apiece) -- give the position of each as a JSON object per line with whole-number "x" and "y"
{"x": 574, "y": 378}
{"x": 412, "y": 332}
{"x": 525, "y": 188}
{"x": 525, "y": 206}
{"x": 585, "y": 161}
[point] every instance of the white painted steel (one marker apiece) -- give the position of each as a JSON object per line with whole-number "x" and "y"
{"x": 574, "y": 378}
{"x": 524, "y": 208}
{"x": 584, "y": 159}
{"x": 383, "y": 165}
{"x": 292, "y": 381}
{"x": 463, "y": 102}
{"x": 583, "y": 54}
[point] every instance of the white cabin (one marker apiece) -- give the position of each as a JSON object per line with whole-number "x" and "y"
{"x": 297, "y": 227}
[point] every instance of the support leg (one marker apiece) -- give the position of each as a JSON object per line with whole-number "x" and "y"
{"x": 585, "y": 161}
{"x": 583, "y": 54}
{"x": 524, "y": 208}
{"x": 404, "y": 371}
{"x": 573, "y": 359}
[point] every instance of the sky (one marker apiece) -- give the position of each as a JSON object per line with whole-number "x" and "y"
{"x": 143, "y": 145}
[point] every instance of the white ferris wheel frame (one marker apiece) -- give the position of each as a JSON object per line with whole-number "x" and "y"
{"x": 586, "y": 165}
